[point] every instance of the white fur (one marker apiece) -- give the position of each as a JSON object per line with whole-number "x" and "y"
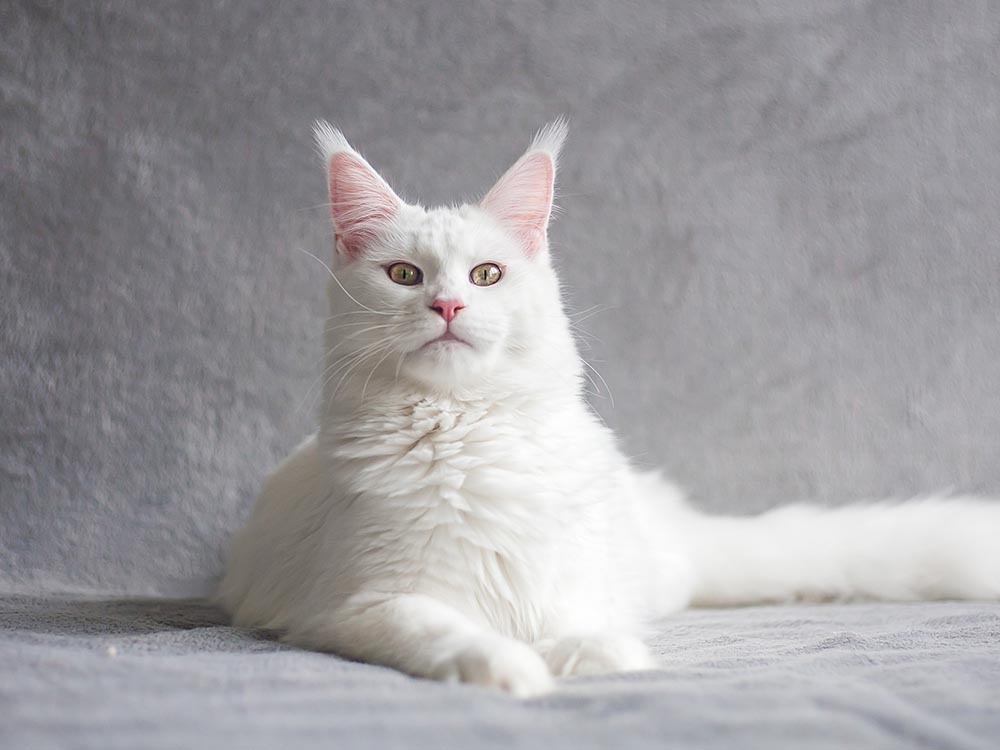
{"x": 462, "y": 514}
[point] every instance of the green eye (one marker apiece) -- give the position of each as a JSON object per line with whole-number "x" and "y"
{"x": 406, "y": 274}
{"x": 486, "y": 274}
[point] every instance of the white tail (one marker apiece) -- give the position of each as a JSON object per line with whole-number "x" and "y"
{"x": 933, "y": 548}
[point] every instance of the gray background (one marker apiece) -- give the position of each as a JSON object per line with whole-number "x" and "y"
{"x": 787, "y": 211}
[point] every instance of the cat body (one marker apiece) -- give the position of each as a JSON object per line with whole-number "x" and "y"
{"x": 463, "y": 514}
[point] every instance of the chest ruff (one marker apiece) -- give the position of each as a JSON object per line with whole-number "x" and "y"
{"x": 454, "y": 501}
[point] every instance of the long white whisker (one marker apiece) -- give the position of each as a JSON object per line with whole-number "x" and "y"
{"x": 364, "y": 388}
{"x": 351, "y": 361}
{"x": 601, "y": 377}
{"x": 351, "y": 312}
{"x": 331, "y": 370}
{"x": 348, "y": 371}
{"x": 330, "y": 366}
{"x": 355, "y": 334}
{"x": 334, "y": 277}
{"x": 590, "y": 312}
{"x": 331, "y": 329}
{"x": 596, "y": 391}
{"x": 333, "y": 366}
{"x": 336, "y": 366}
{"x": 399, "y": 366}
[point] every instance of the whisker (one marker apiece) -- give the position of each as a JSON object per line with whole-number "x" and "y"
{"x": 355, "y": 334}
{"x": 375, "y": 345}
{"x": 309, "y": 391}
{"x": 331, "y": 370}
{"x": 331, "y": 329}
{"x": 601, "y": 377}
{"x": 590, "y": 312}
{"x": 399, "y": 366}
{"x": 352, "y": 312}
{"x": 364, "y": 388}
{"x": 347, "y": 362}
{"x": 334, "y": 277}
{"x": 596, "y": 391}
{"x": 348, "y": 371}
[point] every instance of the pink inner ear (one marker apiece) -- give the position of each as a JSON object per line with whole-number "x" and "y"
{"x": 360, "y": 201}
{"x": 522, "y": 199}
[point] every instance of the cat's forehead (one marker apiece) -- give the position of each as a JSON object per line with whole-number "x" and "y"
{"x": 437, "y": 230}
{"x": 450, "y": 232}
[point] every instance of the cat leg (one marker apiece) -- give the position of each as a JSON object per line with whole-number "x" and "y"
{"x": 424, "y": 637}
{"x": 595, "y": 654}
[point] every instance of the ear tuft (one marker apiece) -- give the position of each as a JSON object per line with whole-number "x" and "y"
{"x": 329, "y": 140}
{"x": 550, "y": 139}
{"x": 361, "y": 202}
{"x": 521, "y": 200}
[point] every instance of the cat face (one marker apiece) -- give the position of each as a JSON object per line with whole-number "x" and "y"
{"x": 449, "y": 297}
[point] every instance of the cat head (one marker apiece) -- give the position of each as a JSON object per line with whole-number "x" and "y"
{"x": 459, "y": 298}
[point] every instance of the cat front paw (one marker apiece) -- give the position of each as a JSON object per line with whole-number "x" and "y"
{"x": 501, "y": 663}
{"x": 598, "y": 654}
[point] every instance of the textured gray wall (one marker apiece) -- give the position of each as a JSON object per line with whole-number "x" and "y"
{"x": 789, "y": 209}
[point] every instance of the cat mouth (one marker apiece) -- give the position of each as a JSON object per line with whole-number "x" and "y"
{"x": 447, "y": 339}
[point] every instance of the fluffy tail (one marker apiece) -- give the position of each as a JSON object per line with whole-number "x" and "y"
{"x": 933, "y": 548}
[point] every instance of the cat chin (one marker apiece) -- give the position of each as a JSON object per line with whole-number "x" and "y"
{"x": 448, "y": 363}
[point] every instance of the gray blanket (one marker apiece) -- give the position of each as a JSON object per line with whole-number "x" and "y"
{"x": 171, "y": 674}
{"x": 778, "y": 229}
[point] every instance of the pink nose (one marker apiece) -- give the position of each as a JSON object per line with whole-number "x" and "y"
{"x": 447, "y": 308}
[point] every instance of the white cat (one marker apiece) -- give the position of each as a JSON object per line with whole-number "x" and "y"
{"x": 463, "y": 515}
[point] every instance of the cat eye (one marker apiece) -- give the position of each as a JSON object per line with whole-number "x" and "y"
{"x": 406, "y": 274}
{"x": 486, "y": 274}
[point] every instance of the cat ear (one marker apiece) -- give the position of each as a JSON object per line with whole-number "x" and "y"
{"x": 361, "y": 202}
{"x": 521, "y": 200}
